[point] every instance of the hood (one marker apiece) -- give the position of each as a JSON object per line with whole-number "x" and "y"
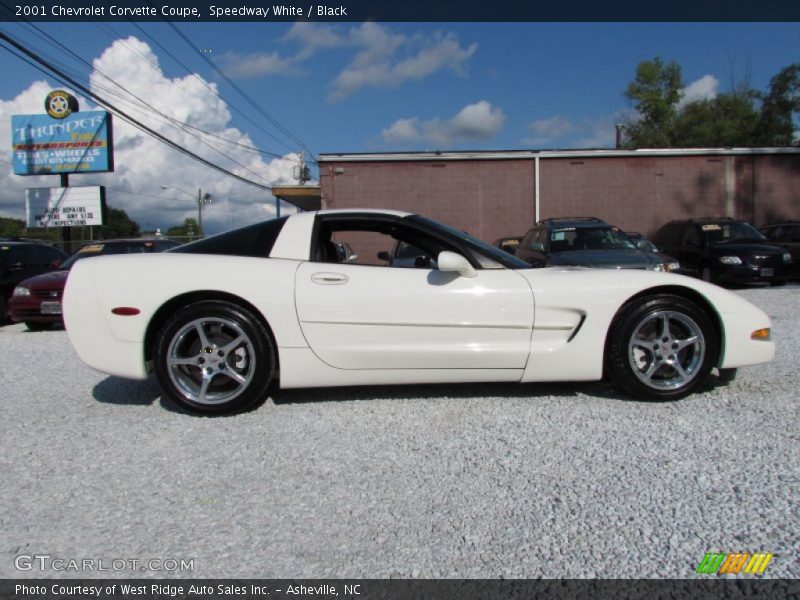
{"x": 50, "y": 280}
{"x": 746, "y": 247}
{"x": 607, "y": 259}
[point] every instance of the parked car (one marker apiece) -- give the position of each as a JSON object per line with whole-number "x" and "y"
{"x": 221, "y": 319}
{"x": 724, "y": 250}
{"x": 36, "y": 301}
{"x": 786, "y": 234}
{"x": 509, "y": 244}
{"x": 20, "y": 260}
{"x": 587, "y": 242}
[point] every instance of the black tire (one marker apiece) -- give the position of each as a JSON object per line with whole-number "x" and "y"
{"x": 230, "y": 371}
{"x": 3, "y": 313}
{"x": 651, "y": 364}
{"x": 37, "y": 325}
{"x": 777, "y": 283}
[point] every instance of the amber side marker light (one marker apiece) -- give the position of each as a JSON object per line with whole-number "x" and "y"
{"x": 763, "y": 335}
{"x": 128, "y": 311}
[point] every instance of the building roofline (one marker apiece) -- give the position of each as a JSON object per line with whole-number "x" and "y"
{"x": 532, "y": 154}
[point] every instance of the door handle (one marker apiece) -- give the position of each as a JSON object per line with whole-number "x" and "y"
{"x": 329, "y": 278}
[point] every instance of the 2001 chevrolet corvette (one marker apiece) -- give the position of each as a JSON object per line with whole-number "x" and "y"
{"x": 221, "y": 319}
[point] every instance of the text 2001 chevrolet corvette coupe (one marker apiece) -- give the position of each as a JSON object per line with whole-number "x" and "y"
{"x": 221, "y": 319}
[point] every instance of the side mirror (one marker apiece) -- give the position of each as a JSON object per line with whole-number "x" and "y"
{"x": 643, "y": 245}
{"x": 352, "y": 259}
{"x": 537, "y": 247}
{"x": 452, "y": 262}
{"x": 383, "y": 255}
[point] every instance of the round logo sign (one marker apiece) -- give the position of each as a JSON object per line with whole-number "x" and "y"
{"x": 60, "y": 104}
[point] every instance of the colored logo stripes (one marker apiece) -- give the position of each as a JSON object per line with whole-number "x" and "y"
{"x": 735, "y": 562}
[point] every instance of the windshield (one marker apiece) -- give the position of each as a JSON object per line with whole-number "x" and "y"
{"x": 729, "y": 232}
{"x": 590, "y": 238}
{"x": 479, "y": 247}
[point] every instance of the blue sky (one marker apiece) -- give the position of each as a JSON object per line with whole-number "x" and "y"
{"x": 386, "y": 87}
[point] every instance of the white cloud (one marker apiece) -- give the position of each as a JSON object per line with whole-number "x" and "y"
{"x": 377, "y": 63}
{"x": 561, "y": 132}
{"x": 479, "y": 121}
{"x": 544, "y": 130}
{"x": 144, "y": 164}
{"x": 244, "y": 66}
{"x": 705, "y": 88}
{"x": 382, "y": 59}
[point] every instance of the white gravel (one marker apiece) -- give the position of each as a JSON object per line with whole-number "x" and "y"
{"x": 567, "y": 480}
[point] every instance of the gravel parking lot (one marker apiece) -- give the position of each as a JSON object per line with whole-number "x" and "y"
{"x": 566, "y": 480}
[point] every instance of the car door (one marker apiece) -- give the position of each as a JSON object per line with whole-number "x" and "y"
{"x": 374, "y": 316}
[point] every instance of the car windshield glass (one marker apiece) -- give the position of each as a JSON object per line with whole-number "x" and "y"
{"x": 592, "y": 238}
{"x": 729, "y": 232}
{"x": 504, "y": 258}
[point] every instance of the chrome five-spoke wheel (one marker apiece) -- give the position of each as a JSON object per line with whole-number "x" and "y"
{"x": 666, "y": 350}
{"x": 661, "y": 347}
{"x": 211, "y": 360}
{"x": 214, "y": 357}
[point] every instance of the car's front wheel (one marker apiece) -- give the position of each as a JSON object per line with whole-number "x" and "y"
{"x": 37, "y": 325}
{"x": 661, "y": 347}
{"x": 215, "y": 357}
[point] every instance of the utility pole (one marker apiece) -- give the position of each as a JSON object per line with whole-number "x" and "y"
{"x": 201, "y": 200}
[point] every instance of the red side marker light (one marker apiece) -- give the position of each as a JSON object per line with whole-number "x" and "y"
{"x": 125, "y": 311}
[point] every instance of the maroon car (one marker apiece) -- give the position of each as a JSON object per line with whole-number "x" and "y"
{"x": 36, "y": 301}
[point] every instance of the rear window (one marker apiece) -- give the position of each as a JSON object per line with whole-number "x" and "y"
{"x": 254, "y": 240}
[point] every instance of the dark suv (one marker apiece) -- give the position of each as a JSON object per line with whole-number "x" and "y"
{"x": 786, "y": 234}
{"x": 20, "y": 260}
{"x": 724, "y": 250}
{"x": 587, "y": 242}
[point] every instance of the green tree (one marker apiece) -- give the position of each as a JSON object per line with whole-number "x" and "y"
{"x": 11, "y": 227}
{"x": 188, "y": 229}
{"x": 654, "y": 94}
{"x": 728, "y": 120}
{"x": 740, "y": 117}
{"x": 117, "y": 224}
{"x": 780, "y": 108}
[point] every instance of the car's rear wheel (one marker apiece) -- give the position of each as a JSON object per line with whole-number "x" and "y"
{"x": 661, "y": 347}
{"x": 215, "y": 357}
{"x": 37, "y": 325}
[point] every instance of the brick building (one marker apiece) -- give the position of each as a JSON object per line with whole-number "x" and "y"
{"x": 502, "y": 193}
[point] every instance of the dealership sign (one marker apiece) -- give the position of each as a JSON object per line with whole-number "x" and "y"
{"x": 80, "y": 142}
{"x": 64, "y": 207}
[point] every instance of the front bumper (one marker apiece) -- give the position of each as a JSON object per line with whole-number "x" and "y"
{"x": 751, "y": 273}
{"x": 29, "y": 308}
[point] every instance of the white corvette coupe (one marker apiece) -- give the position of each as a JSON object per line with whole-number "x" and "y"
{"x": 314, "y": 300}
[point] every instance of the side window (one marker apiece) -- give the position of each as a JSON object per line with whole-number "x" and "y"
{"x": 373, "y": 242}
{"x": 690, "y": 237}
{"x": 44, "y": 256}
{"x": 774, "y": 233}
{"x": 21, "y": 255}
{"x": 792, "y": 234}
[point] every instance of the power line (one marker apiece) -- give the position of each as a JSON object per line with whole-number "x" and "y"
{"x": 241, "y": 92}
{"x": 149, "y": 109}
{"x": 122, "y": 114}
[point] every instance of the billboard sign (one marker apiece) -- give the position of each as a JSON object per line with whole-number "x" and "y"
{"x": 65, "y": 207}
{"x": 78, "y": 143}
